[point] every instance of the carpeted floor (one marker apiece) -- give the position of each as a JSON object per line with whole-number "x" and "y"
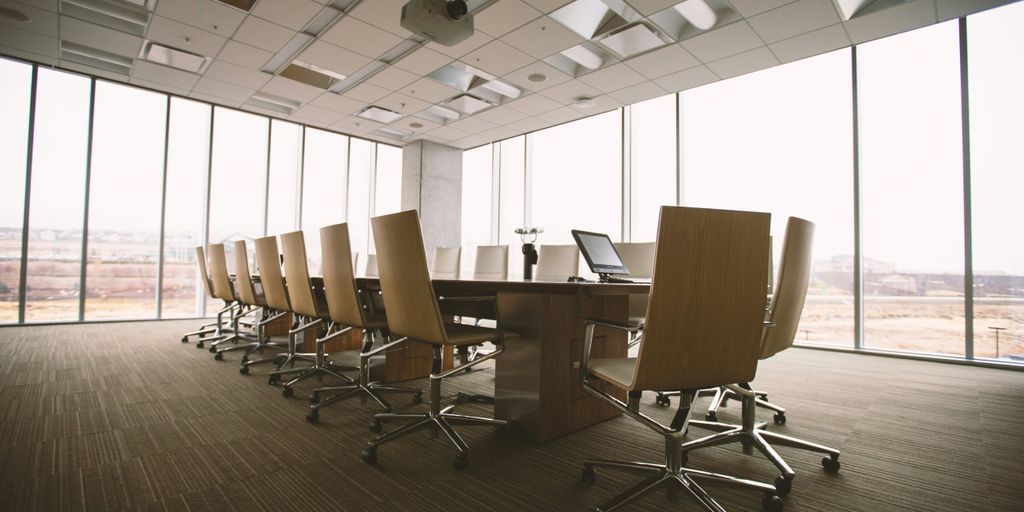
{"x": 124, "y": 417}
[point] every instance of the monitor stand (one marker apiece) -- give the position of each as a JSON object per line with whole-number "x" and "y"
{"x": 607, "y": 278}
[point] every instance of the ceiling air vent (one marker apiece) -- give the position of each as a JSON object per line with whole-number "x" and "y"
{"x": 321, "y": 78}
{"x": 130, "y": 17}
{"x": 275, "y": 103}
{"x": 382, "y": 115}
{"x": 173, "y": 57}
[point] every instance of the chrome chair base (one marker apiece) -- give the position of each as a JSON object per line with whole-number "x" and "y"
{"x": 721, "y": 396}
{"x": 321, "y": 365}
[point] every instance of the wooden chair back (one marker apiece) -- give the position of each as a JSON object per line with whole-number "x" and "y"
{"x": 557, "y": 262}
{"x": 404, "y": 278}
{"x": 243, "y": 280}
{"x": 446, "y": 263}
{"x": 339, "y": 280}
{"x": 219, "y": 273}
{"x": 271, "y": 280}
{"x": 791, "y": 288}
{"x": 491, "y": 263}
{"x": 296, "y": 273}
{"x": 706, "y": 309}
{"x": 201, "y": 260}
{"x": 638, "y": 258}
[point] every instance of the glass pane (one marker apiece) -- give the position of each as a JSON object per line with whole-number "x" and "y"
{"x": 188, "y": 163}
{"x": 995, "y": 48}
{"x": 512, "y": 166}
{"x": 387, "y": 190}
{"x": 15, "y": 98}
{"x": 476, "y": 203}
{"x": 323, "y": 188}
{"x": 577, "y": 179}
{"x": 912, "y": 189}
{"x": 653, "y": 172}
{"x": 59, "y": 156}
{"x": 360, "y": 163}
{"x": 285, "y": 177}
{"x": 780, "y": 141}
{"x": 124, "y": 202}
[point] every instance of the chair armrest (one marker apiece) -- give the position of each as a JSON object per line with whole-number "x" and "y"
{"x": 494, "y": 308}
{"x": 622, "y": 326}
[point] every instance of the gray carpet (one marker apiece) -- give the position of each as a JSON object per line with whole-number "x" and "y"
{"x": 124, "y": 417}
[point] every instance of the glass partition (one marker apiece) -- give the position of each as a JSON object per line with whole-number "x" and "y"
{"x": 15, "y": 101}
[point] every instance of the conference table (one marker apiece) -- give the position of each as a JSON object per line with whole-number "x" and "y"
{"x": 536, "y": 380}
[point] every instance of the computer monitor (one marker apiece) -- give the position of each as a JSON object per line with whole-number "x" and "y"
{"x": 600, "y": 253}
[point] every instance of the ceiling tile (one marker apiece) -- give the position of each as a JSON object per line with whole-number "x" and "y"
{"x": 333, "y": 58}
{"x": 471, "y": 142}
{"x": 89, "y": 70}
{"x": 638, "y": 93}
{"x": 263, "y": 34}
{"x": 318, "y": 116}
{"x": 723, "y": 42}
{"x": 244, "y": 55}
{"x": 529, "y": 124}
{"x": 293, "y": 14}
{"x": 160, "y": 86}
{"x": 542, "y": 37}
{"x": 337, "y": 103}
{"x": 747, "y": 62}
{"x": 422, "y": 125}
{"x": 216, "y": 100}
{"x": 502, "y": 17}
{"x": 813, "y": 43}
{"x": 748, "y": 8}
{"x": 102, "y": 38}
{"x": 222, "y": 90}
{"x": 520, "y": 77}
{"x": 472, "y": 125}
{"x": 392, "y": 78}
{"x": 561, "y": 115}
{"x": 568, "y": 92}
{"x": 612, "y": 78}
{"x": 473, "y": 42}
{"x": 238, "y": 75}
{"x": 261, "y": 111}
{"x": 367, "y": 92}
{"x": 353, "y": 124}
{"x": 794, "y": 19}
{"x": 497, "y": 58}
{"x": 405, "y": 105}
{"x": 688, "y": 79}
{"x": 423, "y": 61}
{"x": 361, "y": 37}
{"x": 533, "y": 105}
{"x": 949, "y": 9}
{"x": 210, "y": 16}
{"x": 501, "y": 115}
{"x": 429, "y": 91}
{"x": 385, "y": 14}
{"x": 31, "y": 43}
{"x": 448, "y": 133}
{"x": 546, "y": 6}
{"x": 602, "y": 103}
{"x": 280, "y": 86}
{"x": 664, "y": 61}
{"x": 156, "y": 73}
{"x": 41, "y": 21}
{"x": 648, "y": 7}
{"x": 890, "y": 21}
{"x": 184, "y": 37}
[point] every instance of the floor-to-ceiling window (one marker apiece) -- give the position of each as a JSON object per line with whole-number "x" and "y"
{"x": 780, "y": 141}
{"x": 995, "y": 54}
{"x": 15, "y": 101}
{"x": 285, "y": 180}
{"x": 360, "y": 169}
{"x": 511, "y": 212}
{"x": 477, "y": 165}
{"x": 912, "y": 191}
{"x": 653, "y": 166}
{"x": 324, "y": 197}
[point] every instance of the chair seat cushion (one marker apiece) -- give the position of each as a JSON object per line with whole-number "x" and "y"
{"x": 617, "y": 371}
{"x": 463, "y": 334}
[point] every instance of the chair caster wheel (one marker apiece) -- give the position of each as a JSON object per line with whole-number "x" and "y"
{"x": 663, "y": 401}
{"x": 314, "y": 397}
{"x": 376, "y": 427}
{"x": 370, "y": 455}
{"x": 213, "y": 349}
{"x": 589, "y": 476}
{"x": 780, "y": 418}
{"x": 218, "y": 357}
{"x": 313, "y": 416}
{"x": 184, "y": 339}
{"x": 461, "y": 461}
{"x": 711, "y": 416}
{"x": 417, "y": 398}
{"x": 272, "y": 379}
{"x": 199, "y": 344}
{"x": 244, "y": 370}
{"x": 783, "y": 485}
{"x": 287, "y": 392}
{"x": 772, "y": 503}
{"x": 461, "y": 398}
{"x": 831, "y": 464}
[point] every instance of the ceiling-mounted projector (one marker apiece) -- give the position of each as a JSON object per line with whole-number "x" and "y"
{"x": 446, "y": 22}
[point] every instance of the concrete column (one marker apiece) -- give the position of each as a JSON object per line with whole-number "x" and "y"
{"x": 432, "y": 184}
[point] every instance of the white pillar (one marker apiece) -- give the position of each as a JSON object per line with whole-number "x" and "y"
{"x": 432, "y": 184}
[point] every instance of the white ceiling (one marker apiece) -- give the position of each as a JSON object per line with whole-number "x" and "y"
{"x": 512, "y": 39}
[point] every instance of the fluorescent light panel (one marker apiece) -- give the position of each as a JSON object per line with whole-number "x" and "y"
{"x": 467, "y": 104}
{"x": 94, "y": 57}
{"x": 633, "y": 40}
{"x": 273, "y": 102}
{"x": 382, "y": 115}
{"x": 121, "y": 16}
{"x": 698, "y": 13}
{"x": 173, "y": 57}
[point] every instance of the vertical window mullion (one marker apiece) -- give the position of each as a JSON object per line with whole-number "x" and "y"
{"x": 626, "y": 231}
{"x": 858, "y": 260}
{"x": 163, "y": 214}
{"x": 85, "y": 215}
{"x": 23, "y": 270}
{"x": 206, "y": 213}
{"x": 965, "y": 126}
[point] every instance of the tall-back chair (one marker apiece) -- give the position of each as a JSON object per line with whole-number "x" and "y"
{"x": 777, "y": 335}
{"x": 220, "y": 281}
{"x": 207, "y": 332}
{"x": 310, "y": 312}
{"x": 251, "y": 297}
{"x": 413, "y": 313}
{"x": 704, "y": 321}
{"x": 350, "y": 308}
{"x": 491, "y": 263}
{"x": 446, "y": 263}
{"x": 639, "y": 259}
{"x": 557, "y": 262}
{"x": 371, "y": 266}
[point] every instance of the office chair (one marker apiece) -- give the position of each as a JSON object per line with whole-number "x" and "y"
{"x": 224, "y": 290}
{"x": 350, "y": 308}
{"x": 557, "y": 262}
{"x": 214, "y": 331}
{"x": 777, "y": 335}
{"x": 249, "y": 296}
{"x": 275, "y": 297}
{"x": 639, "y": 259}
{"x": 414, "y": 314}
{"x": 310, "y": 313}
{"x": 703, "y": 317}
{"x": 371, "y": 266}
{"x": 491, "y": 263}
{"x": 446, "y": 263}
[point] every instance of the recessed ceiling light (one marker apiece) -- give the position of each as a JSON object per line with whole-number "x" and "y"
{"x": 379, "y": 114}
{"x": 13, "y": 15}
{"x": 537, "y": 78}
{"x": 698, "y": 13}
{"x": 173, "y": 57}
{"x": 467, "y": 104}
{"x": 637, "y": 38}
{"x": 584, "y": 102}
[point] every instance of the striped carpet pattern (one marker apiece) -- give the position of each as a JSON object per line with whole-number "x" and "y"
{"x": 123, "y": 416}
